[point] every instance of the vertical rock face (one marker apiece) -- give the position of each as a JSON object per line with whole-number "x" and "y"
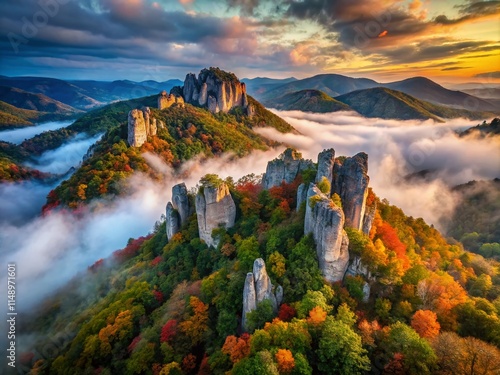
{"x": 284, "y": 168}
{"x": 140, "y": 126}
{"x": 180, "y": 201}
{"x": 218, "y": 90}
{"x": 350, "y": 182}
{"x": 368, "y": 219}
{"x": 172, "y": 221}
{"x": 167, "y": 100}
{"x": 214, "y": 208}
{"x": 326, "y": 160}
{"x": 326, "y": 222}
{"x": 258, "y": 288}
{"x": 301, "y": 195}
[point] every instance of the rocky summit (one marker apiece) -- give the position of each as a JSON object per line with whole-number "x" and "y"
{"x": 216, "y": 90}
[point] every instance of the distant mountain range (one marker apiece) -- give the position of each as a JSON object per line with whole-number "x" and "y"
{"x": 335, "y": 85}
{"x": 85, "y": 95}
{"x": 413, "y": 98}
{"x": 373, "y": 102}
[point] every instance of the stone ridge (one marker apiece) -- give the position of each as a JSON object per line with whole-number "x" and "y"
{"x": 285, "y": 168}
{"x": 216, "y": 90}
{"x": 258, "y": 288}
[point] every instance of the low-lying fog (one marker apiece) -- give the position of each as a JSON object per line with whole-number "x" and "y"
{"x": 50, "y": 250}
{"x": 17, "y": 136}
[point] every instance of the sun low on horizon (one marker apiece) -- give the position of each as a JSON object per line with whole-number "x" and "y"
{"x": 453, "y": 41}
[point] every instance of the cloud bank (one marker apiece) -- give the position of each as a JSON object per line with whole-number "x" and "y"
{"x": 64, "y": 245}
{"x": 397, "y": 149}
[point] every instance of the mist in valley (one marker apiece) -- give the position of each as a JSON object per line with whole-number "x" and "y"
{"x": 50, "y": 250}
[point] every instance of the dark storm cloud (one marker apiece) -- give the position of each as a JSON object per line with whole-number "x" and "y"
{"x": 470, "y": 11}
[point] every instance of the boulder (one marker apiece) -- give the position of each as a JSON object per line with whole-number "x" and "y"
{"x": 214, "y": 208}
{"x": 285, "y": 168}
{"x": 326, "y": 222}
{"x": 350, "y": 182}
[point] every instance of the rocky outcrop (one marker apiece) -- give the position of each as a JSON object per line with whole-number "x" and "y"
{"x": 214, "y": 208}
{"x": 167, "y": 100}
{"x": 258, "y": 288}
{"x": 215, "y": 89}
{"x": 356, "y": 267}
{"x": 172, "y": 221}
{"x": 326, "y": 222}
{"x": 301, "y": 195}
{"x": 178, "y": 210}
{"x": 326, "y": 160}
{"x": 285, "y": 168}
{"x": 180, "y": 201}
{"x": 368, "y": 218}
{"x": 140, "y": 126}
{"x": 350, "y": 182}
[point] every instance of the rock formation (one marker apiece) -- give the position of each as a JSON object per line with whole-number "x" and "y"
{"x": 172, "y": 221}
{"x": 301, "y": 195}
{"x": 167, "y": 100}
{"x": 178, "y": 210}
{"x": 326, "y": 160}
{"x": 214, "y": 208}
{"x": 180, "y": 201}
{"x": 140, "y": 126}
{"x": 368, "y": 218}
{"x": 326, "y": 222}
{"x": 215, "y": 89}
{"x": 258, "y": 288}
{"x": 285, "y": 168}
{"x": 350, "y": 182}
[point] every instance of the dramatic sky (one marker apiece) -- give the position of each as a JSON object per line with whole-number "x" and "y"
{"x": 445, "y": 40}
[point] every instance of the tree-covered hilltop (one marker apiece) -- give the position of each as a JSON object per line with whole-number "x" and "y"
{"x": 175, "y": 306}
{"x": 188, "y": 131}
{"x": 475, "y": 220}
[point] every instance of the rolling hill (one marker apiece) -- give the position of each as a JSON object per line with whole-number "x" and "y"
{"x": 35, "y": 102}
{"x": 425, "y": 89}
{"x": 391, "y": 104}
{"x": 331, "y": 84}
{"x": 307, "y": 101}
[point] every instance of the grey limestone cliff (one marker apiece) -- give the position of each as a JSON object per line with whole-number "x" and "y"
{"x": 172, "y": 221}
{"x": 326, "y": 222}
{"x": 326, "y": 160}
{"x": 215, "y": 89}
{"x": 178, "y": 210}
{"x": 350, "y": 182}
{"x": 214, "y": 208}
{"x": 140, "y": 126}
{"x": 285, "y": 168}
{"x": 258, "y": 288}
